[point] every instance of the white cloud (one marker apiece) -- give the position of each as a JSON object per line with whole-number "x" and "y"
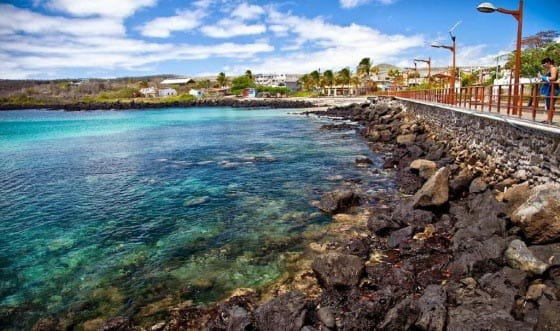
{"x": 356, "y": 3}
{"x": 13, "y": 20}
{"x": 227, "y": 28}
{"x": 315, "y": 43}
{"x": 162, "y": 27}
{"x": 32, "y": 44}
{"x": 109, "y": 8}
{"x": 246, "y": 11}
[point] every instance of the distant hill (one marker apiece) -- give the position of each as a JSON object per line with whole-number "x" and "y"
{"x": 385, "y": 67}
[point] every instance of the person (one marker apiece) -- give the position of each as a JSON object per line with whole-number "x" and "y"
{"x": 551, "y": 81}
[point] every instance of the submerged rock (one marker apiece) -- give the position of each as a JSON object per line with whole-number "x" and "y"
{"x": 539, "y": 216}
{"x": 335, "y": 269}
{"x": 363, "y": 160}
{"x": 338, "y": 201}
{"x": 191, "y": 202}
{"x": 435, "y": 191}
{"x": 520, "y": 257}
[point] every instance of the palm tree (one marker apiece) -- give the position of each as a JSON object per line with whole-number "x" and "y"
{"x": 363, "y": 70}
{"x": 222, "y": 79}
{"x": 355, "y": 80}
{"x": 305, "y": 81}
{"x": 328, "y": 76}
{"x": 249, "y": 74}
{"x": 344, "y": 76}
{"x": 315, "y": 77}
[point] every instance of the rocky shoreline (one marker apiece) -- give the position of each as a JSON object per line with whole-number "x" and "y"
{"x": 222, "y": 102}
{"x": 452, "y": 250}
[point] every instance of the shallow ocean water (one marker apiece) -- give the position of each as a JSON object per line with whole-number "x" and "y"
{"x": 105, "y": 213}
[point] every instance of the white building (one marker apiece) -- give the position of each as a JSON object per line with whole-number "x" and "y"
{"x": 166, "y": 92}
{"x": 177, "y": 81}
{"x": 149, "y": 92}
{"x": 196, "y": 93}
{"x": 278, "y": 80}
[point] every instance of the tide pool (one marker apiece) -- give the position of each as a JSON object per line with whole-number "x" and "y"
{"x": 108, "y": 213}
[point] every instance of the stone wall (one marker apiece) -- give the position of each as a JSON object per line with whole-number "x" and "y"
{"x": 497, "y": 147}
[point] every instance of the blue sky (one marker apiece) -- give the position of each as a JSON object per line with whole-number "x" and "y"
{"x": 111, "y": 38}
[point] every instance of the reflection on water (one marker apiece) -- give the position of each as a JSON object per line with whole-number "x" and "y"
{"x": 106, "y": 213}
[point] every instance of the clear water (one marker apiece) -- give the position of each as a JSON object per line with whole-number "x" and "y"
{"x": 105, "y": 213}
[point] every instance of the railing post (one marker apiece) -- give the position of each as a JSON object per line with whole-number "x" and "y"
{"x": 509, "y": 100}
{"x": 490, "y": 98}
{"x": 520, "y": 109}
{"x": 551, "y": 102}
{"x": 499, "y": 98}
{"x": 482, "y": 98}
{"x": 535, "y": 90}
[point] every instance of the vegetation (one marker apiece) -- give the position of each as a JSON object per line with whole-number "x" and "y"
{"x": 240, "y": 83}
{"x": 273, "y": 90}
{"x": 536, "y": 48}
{"x": 222, "y": 80}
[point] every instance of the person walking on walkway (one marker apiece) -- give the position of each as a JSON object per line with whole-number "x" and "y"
{"x": 550, "y": 80}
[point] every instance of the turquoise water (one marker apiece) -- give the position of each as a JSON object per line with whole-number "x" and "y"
{"x": 105, "y": 213}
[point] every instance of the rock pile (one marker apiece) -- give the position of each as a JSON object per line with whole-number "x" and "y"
{"x": 455, "y": 253}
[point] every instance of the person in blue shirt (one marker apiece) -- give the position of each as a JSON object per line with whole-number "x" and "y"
{"x": 550, "y": 80}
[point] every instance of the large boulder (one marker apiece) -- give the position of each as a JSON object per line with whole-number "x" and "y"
{"x": 425, "y": 168}
{"x": 433, "y": 310}
{"x": 338, "y": 270}
{"x": 285, "y": 313}
{"x": 516, "y": 195}
{"x": 338, "y": 201}
{"x": 539, "y": 215}
{"x": 547, "y": 253}
{"x": 520, "y": 257}
{"x": 549, "y": 317}
{"x": 435, "y": 191}
{"x": 406, "y": 139}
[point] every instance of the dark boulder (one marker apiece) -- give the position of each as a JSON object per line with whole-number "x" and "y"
{"x": 338, "y": 201}
{"x": 285, "y": 313}
{"x": 399, "y": 236}
{"x": 338, "y": 270}
{"x": 118, "y": 323}
{"x": 432, "y": 308}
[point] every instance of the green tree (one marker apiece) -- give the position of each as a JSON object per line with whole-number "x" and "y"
{"x": 328, "y": 77}
{"x": 306, "y": 82}
{"x": 344, "y": 76}
{"x": 240, "y": 83}
{"x": 249, "y": 74}
{"x": 222, "y": 79}
{"x": 315, "y": 78}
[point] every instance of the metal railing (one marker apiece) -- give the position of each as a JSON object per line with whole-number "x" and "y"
{"x": 501, "y": 99}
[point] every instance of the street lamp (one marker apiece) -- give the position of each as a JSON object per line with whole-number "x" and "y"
{"x": 452, "y": 48}
{"x": 487, "y": 7}
{"x": 429, "y": 62}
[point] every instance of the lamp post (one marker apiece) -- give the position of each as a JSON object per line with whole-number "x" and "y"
{"x": 487, "y": 7}
{"x": 429, "y": 62}
{"x": 452, "y": 48}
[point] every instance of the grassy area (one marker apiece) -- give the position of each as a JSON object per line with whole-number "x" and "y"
{"x": 305, "y": 94}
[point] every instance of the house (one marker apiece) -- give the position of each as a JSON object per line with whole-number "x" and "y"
{"x": 149, "y": 92}
{"x": 166, "y": 92}
{"x": 250, "y": 93}
{"x": 178, "y": 81}
{"x": 196, "y": 93}
{"x": 278, "y": 80}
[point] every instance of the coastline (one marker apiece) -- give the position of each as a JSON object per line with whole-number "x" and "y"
{"x": 438, "y": 253}
{"x": 220, "y": 102}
